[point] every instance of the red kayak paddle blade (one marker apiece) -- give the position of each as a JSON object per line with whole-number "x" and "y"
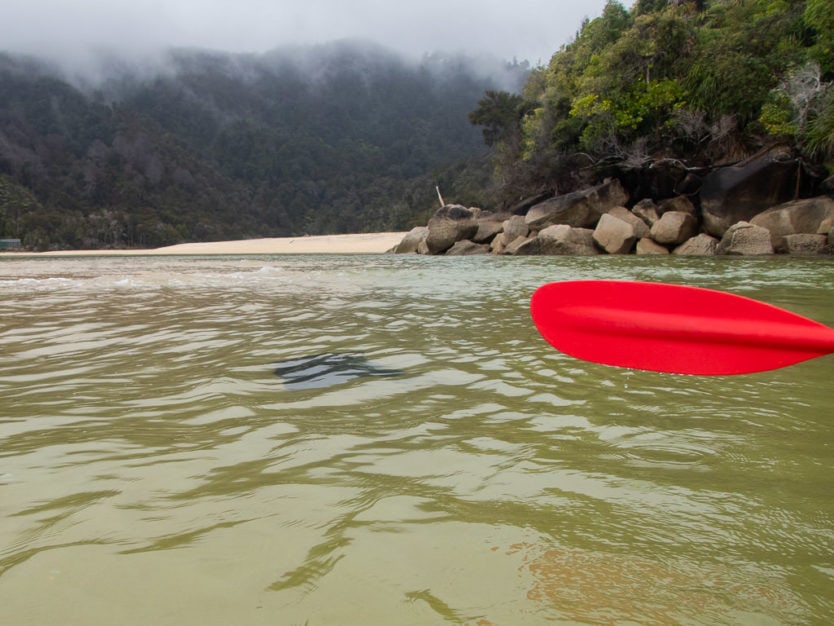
{"x": 673, "y": 328}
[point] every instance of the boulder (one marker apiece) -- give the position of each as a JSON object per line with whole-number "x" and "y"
{"x": 516, "y": 227}
{"x": 449, "y": 224}
{"x": 641, "y": 229}
{"x": 812, "y": 216}
{"x": 674, "y": 227}
{"x": 734, "y": 194}
{"x": 467, "y": 248}
{"x": 581, "y": 209}
{"x": 678, "y": 203}
{"x": 646, "y": 210}
{"x": 499, "y": 244}
{"x": 567, "y": 240}
{"x": 488, "y": 227}
{"x": 700, "y": 245}
{"x": 521, "y": 207}
{"x": 411, "y": 241}
{"x": 614, "y": 235}
{"x": 524, "y": 246}
{"x": 745, "y": 239}
{"x": 650, "y": 246}
{"x": 691, "y": 184}
{"x": 805, "y": 244}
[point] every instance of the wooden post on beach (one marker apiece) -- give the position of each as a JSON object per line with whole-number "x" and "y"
{"x": 442, "y": 203}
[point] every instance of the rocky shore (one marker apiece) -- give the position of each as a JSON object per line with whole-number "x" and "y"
{"x": 741, "y": 210}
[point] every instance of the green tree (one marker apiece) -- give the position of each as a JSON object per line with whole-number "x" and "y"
{"x": 499, "y": 115}
{"x": 742, "y": 50}
{"x": 820, "y": 137}
{"x": 819, "y": 16}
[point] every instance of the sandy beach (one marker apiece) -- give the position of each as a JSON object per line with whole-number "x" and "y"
{"x": 364, "y": 243}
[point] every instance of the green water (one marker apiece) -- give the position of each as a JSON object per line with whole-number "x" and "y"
{"x": 450, "y": 468}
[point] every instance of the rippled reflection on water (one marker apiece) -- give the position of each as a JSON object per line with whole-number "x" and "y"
{"x": 443, "y": 465}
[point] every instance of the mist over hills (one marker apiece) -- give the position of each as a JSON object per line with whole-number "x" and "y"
{"x": 203, "y": 145}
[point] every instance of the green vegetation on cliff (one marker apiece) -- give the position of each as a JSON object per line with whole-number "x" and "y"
{"x": 691, "y": 83}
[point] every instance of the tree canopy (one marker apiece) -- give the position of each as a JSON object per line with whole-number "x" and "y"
{"x": 701, "y": 82}
{"x": 346, "y": 137}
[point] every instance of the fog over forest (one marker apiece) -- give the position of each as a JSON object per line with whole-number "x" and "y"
{"x": 78, "y": 33}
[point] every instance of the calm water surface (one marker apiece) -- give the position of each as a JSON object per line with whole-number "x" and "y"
{"x": 386, "y": 440}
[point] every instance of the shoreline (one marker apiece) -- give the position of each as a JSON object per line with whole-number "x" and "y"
{"x": 361, "y": 243}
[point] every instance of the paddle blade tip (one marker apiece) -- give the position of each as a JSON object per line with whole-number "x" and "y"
{"x": 673, "y": 328}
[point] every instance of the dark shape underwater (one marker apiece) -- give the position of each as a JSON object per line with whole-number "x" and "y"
{"x": 326, "y": 370}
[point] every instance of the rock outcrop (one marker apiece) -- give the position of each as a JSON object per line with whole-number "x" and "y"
{"x": 598, "y": 221}
{"x": 516, "y": 227}
{"x": 805, "y": 244}
{"x": 674, "y": 227}
{"x": 411, "y": 242}
{"x": 450, "y": 224}
{"x": 650, "y": 246}
{"x": 642, "y": 228}
{"x": 467, "y": 248}
{"x": 489, "y": 225}
{"x": 735, "y": 194}
{"x": 567, "y": 240}
{"x": 814, "y": 216}
{"x": 614, "y": 235}
{"x": 524, "y": 246}
{"x": 700, "y": 245}
{"x": 680, "y": 204}
{"x": 581, "y": 209}
{"x": 647, "y": 211}
{"x": 747, "y": 239}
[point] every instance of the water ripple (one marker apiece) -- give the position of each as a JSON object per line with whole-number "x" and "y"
{"x": 460, "y": 470}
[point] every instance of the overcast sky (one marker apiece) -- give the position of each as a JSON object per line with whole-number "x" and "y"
{"x": 524, "y": 29}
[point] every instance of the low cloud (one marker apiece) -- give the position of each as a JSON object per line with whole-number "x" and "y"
{"x": 74, "y": 31}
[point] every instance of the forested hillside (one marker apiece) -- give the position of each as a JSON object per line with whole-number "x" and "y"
{"x": 667, "y": 89}
{"x": 351, "y": 138}
{"x": 339, "y": 138}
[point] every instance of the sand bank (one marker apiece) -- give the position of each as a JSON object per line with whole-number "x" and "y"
{"x": 365, "y": 243}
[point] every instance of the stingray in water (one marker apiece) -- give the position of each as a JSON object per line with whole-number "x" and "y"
{"x": 326, "y": 370}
